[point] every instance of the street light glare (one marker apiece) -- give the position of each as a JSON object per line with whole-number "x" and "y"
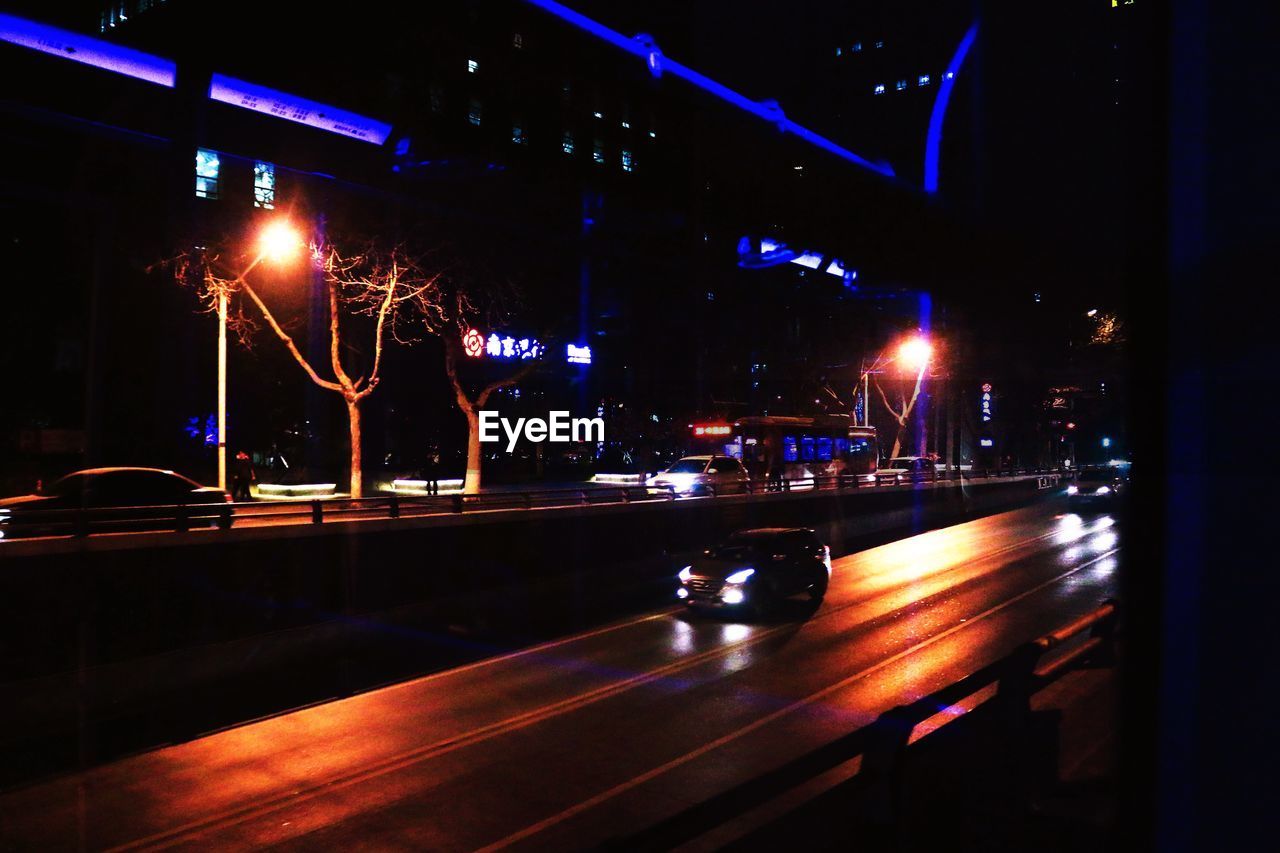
{"x": 1092, "y": 312}
{"x": 915, "y": 352}
{"x": 280, "y": 242}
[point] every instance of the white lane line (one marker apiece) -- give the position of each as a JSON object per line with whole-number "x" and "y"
{"x": 622, "y": 788}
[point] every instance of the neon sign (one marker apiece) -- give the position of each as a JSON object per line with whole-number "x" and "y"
{"x": 575, "y": 354}
{"x": 273, "y": 102}
{"x": 986, "y": 402}
{"x": 473, "y": 343}
{"x": 504, "y": 347}
{"x": 712, "y": 429}
{"x": 90, "y": 51}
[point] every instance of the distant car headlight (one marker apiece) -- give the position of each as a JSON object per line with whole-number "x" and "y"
{"x": 686, "y": 573}
{"x": 740, "y": 577}
{"x": 1071, "y": 490}
{"x": 1103, "y": 490}
{"x": 733, "y": 596}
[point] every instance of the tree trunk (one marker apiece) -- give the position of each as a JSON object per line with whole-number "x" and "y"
{"x": 357, "y": 472}
{"x": 471, "y": 483}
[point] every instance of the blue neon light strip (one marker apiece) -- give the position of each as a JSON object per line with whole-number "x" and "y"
{"x": 933, "y": 142}
{"x": 658, "y": 64}
{"x": 90, "y": 51}
{"x": 273, "y": 102}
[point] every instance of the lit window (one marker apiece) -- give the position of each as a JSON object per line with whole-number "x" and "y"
{"x": 517, "y": 41}
{"x": 653, "y": 134}
{"x": 472, "y": 65}
{"x": 264, "y": 185}
{"x": 628, "y": 162}
{"x": 566, "y": 143}
{"x": 902, "y": 84}
{"x": 838, "y": 51}
{"x": 598, "y": 114}
{"x": 857, "y": 46}
{"x": 626, "y": 124}
{"x": 879, "y": 88}
{"x": 950, "y": 74}
{"x": 475, "y": 111}
{"x": 597, "y": 151}
{"x": 206, "y": 173}
{"x": 924, "y": 80}
{"x": 879, "y": 44}
{"x": 517, "y": 134}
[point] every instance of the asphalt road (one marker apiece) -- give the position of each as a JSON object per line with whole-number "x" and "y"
{"x": 572, "y": 743}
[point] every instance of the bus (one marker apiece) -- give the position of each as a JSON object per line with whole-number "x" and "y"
{"x": 820, "y": 446}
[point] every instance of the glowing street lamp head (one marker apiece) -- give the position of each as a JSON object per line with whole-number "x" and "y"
{"x": 279, "y": 242}
{"x": 915, "y": 352}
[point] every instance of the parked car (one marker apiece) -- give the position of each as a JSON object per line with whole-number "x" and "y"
{"x": 1098, "y": 487}
{"x": 755, "y": 569}
{"x": 701, "y": 475}
{"x": 123, "y": 499}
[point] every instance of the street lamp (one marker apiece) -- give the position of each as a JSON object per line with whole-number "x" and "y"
{"x": 278, "y": 242}
{"x": 914, "y": 352}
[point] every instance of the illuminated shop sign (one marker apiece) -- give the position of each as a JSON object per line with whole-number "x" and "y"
{"x": 575, "y": 354}
{"x": 272, "y": 102}
{"x": 712, "y": 429}
{"x": 504, "y": 347}
{"x": 90, "y": 51}
{"x": 986, "y": 402}
{"x": 986, "y": 442}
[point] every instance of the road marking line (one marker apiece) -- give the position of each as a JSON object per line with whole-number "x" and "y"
{"x": 592, "y": 802}
{"x": 513, "y": 723}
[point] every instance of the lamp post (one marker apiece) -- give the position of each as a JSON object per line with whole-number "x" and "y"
{"x": 277, "y": 242}
{"x": 914, "y": 352}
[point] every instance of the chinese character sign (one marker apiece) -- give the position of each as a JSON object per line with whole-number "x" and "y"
{"x": 477, "y": 345}
{"x": 987, "y": 408}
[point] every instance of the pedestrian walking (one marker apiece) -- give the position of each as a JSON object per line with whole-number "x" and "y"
{"x": 242, "y": 475}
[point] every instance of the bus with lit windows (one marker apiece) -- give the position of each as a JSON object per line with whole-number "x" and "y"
{"x": 798, "y": 448}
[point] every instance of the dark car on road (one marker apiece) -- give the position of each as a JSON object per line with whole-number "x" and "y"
{"x": 1098, "y": 488}
{"x": 118, "y": 499}
{"x": 756, "y": 569}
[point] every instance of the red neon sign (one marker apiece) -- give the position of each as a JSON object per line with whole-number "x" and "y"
{"x": 712, "y": 429}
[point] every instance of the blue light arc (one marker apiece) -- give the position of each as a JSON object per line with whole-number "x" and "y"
{"x": 659, "y": 64}
{"x": 933, "y": 142}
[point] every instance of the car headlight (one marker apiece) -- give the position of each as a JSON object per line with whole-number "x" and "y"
{"x": 682, "y": 593}
{"x": 1103, "y": 490}
{"x": 733, "y": 596}
{"x": 740, "y": 576}
{"x": 686, "y": 573}
{"x": 1071, "y": 490}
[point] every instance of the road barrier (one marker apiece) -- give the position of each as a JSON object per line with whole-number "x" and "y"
{"x": 882, "y": 746}
{"x": 318, "y": 510}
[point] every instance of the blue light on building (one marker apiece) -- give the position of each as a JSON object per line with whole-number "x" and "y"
{"x": 88, "y": 50}
{"x": 261, "y": 99}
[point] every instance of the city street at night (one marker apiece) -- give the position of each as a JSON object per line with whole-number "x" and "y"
{"x": 597, "y": 736}
{"x": 677, "y": 425}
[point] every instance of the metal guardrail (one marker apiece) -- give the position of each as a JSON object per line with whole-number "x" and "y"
{"x": 20, "y": 523}
{"x": 882, "y": 745}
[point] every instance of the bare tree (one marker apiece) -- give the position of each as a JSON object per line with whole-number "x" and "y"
{"x": 902, "y": 413}
{"x": 450, "y": 317}
{"x": 382, "y": 286}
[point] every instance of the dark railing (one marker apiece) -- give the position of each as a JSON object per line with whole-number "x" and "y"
{"x": 883, "y": 744}
{"x": 18, "y": 523}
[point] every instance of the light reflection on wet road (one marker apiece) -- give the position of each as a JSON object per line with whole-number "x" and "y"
{"x": 563, "y": 745}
